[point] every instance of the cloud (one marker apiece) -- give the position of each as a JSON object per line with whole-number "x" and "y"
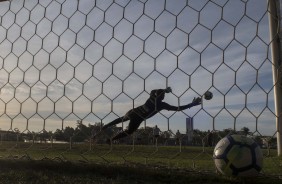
{"x": 101, "y": 67}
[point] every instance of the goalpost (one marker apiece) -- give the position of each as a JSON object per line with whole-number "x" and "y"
{"x": 275, "y": 37}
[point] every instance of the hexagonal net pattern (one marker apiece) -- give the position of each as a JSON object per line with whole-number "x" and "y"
{"x": 68, "y": 67}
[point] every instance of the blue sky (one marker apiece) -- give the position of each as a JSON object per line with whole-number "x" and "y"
{"x": 94, "y": 60}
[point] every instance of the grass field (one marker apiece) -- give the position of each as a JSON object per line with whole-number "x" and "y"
{"x": 41, "y": 163}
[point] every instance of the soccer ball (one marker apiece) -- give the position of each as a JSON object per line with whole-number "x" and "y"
{"x": 208, "y": 95}
{"x": 238, "y": 155}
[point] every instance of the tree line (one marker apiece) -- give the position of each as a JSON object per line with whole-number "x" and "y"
{"x": 148, "y": 135}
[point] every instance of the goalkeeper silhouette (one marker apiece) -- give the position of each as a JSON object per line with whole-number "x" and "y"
{"x": 151, "y": 107}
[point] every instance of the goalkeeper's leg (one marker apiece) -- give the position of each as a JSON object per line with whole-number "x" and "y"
{"x": 114, "y": 122}
{"x": 132, "y": 127}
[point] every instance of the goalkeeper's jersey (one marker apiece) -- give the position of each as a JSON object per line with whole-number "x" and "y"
{"x": 152, "y": 106}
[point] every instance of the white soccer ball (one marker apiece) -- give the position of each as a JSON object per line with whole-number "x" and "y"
{"x": 238, "y": 155}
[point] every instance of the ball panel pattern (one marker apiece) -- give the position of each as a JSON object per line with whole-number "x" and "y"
{"x": 238, "y": 155}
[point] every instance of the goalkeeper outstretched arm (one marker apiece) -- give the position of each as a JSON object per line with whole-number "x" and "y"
{"x": 165, "y": 106}
{"x": 195, "y": 102}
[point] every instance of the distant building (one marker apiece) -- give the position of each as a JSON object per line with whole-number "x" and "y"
{"x": 189, "y": 129}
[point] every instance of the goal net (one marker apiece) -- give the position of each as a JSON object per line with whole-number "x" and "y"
{"x": 67, "y": 67}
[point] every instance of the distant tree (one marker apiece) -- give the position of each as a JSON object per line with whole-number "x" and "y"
{"x": 44, "y": 135}
{"x": 258, "y": 140}
{"x": 83, "y": 128}
{"x": 68, "y": 132}
{"x": 29, "y": 135}
{"x": 81, "y": 132}
{"x": 144, "y": 135}
{"x": 59, "y": 135}
{"x": 226, "y": 132}
{"x": 166, "y": 134}
{"x": 245, "y": 130}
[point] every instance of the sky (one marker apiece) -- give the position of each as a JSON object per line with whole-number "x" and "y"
{"x": 66, "y": 60}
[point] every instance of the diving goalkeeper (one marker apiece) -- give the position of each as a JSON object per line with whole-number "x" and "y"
{"x": 151, "y": 107}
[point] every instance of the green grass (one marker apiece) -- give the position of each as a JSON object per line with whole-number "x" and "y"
{"x": 23, "y": 171}
{"x": 40, "y": 163}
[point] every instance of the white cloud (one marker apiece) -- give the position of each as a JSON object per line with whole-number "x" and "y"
{"x": 222, "y": 51}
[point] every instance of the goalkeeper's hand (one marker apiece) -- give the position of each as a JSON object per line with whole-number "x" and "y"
{"x": 168, "y": 90}
{"x": 197, "y": 101}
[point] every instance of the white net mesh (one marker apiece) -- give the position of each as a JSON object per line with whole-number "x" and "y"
{"x": 92, "y": 61}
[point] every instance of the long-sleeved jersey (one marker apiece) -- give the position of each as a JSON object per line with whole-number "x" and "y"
{"x": 155, "y": 104}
